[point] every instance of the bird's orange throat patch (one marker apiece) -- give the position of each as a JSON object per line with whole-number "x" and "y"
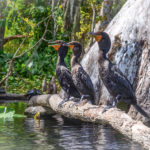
{"x": 56, "y": 47}
{"x": 71, "y": 46}
{"x": 98, "y": 37}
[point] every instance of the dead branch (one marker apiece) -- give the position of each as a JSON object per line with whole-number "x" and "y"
{"x": 8, "y": 73}
{"x": 16, "y": 73}
{"x": 15, "y": 56}
{"x": 35, "y": 43}
{"x": 11, "y": 64}
{"x": 5, "y": 40}
{"x": 6, "y": 98}
{"x": 43, "y": 20}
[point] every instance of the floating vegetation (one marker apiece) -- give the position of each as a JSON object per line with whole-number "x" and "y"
{"x": 6, "y": 112}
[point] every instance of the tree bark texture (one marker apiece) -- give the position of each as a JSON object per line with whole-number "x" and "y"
{"x": 119, "y": 120}
{"x": 129, "y": 32}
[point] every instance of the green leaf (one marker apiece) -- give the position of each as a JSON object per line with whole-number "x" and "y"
{"x": 19, "y": 116}
{"x": 7, "y": 115}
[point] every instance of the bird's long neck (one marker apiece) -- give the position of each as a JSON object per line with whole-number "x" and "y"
{"x": 104, "y": 64}
{"x": 60, "y": 60}
{"x": 74, "y": 61}
{"x": 102, "y": 57}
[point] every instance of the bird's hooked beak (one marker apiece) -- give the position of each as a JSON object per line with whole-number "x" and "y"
{"x": 70, "y": 45}
{"x": 96, "y": 36}
{"x": 56, "y": 46}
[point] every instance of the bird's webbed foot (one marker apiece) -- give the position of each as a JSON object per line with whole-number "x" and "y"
{"x": 62, "y": 102}
{"x": 106, "y": 108}
{"x": 114, "y": 104}
{"x": 81, "y": 99}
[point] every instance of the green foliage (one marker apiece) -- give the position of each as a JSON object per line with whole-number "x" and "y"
{"x": 26, "y": 17}
{"x": 11, "y": 111}
{"x": 123, "y": 106}
{"x": 22, "y": 18}
{"x": 7, "y": 115}
{"x": 116, "y": 7}
{"x": 86, "y": 14}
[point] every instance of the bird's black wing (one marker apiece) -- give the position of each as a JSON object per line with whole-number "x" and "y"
{"x": 122, "y": 83}
{"x": 65, "y": 79}
{"x": 85, "y": 79}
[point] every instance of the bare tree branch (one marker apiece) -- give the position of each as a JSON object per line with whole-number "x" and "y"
{"x": 15, "y": 55}
{"x": 43, "y": 20}
{"x": 16, "y": 73}
{"x": 8, "y": 73}
{"x": 5, "y": 40}
{"x": 35, "y": 43}
{"x": 11, "y": 65}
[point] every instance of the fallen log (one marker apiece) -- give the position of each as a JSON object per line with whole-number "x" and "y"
{"x": 8, "y": 97}
{"x": 118, "y": 119}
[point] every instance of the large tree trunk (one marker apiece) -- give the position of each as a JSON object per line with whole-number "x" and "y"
{"x": 129, "y": 32}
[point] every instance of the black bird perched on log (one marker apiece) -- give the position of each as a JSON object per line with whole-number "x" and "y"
{"x": 63, "y": 74}
{"x": 114, "y": 80}
{"x": 80, "y": 78}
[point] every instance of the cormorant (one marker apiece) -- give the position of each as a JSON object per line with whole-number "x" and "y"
{"x": 114, "y": 80}
{"x": 80, "y": 78}
{"x": 63, "y": 74}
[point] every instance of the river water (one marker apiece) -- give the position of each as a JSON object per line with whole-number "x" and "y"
{"x": 55, "y": 134}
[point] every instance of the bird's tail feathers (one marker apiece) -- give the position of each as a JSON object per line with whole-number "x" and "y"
{"x": 141, "y": 111}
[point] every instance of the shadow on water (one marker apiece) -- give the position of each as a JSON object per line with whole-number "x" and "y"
{"x": 51, "y": 134}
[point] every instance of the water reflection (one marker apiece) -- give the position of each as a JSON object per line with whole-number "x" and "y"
{"x": 28, "y": 134}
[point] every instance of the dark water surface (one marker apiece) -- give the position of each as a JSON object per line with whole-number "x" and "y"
{"x": 51, "y": 134}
